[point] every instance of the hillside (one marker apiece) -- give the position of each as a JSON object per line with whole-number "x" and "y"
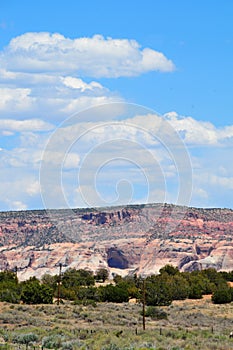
{"x": 136, "y": 238}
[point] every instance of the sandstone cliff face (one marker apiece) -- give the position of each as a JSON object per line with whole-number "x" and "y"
{"x": 139, "y": 239}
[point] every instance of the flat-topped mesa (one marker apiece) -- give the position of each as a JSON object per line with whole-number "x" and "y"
{"x": 135, "y": 238}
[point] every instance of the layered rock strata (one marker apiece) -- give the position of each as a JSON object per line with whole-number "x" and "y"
{"x": 125, "y": 240}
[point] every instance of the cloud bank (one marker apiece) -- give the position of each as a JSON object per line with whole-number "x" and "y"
{"x": 111, "y": 152}
{"x": 45, "y": 78}
{"x": 95, "y": 57}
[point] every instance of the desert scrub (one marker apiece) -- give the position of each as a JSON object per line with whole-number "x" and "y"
{"x": 111, "y": 347}
{"x": 180, "y": 326}
{"x": 26, "y": 339}
{"x": 10, "y": 318}
{"x": 23, "y": 308}
{"x": 155, "y": 313}
{"x": 53, "y": 341}
{"x": 72, "y": 344}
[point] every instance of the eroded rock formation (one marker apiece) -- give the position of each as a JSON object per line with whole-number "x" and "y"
{"x": 139, "y": 239}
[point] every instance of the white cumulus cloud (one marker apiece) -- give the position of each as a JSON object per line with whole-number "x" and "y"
{"x": 42, "y": 75}
{"x": 197, "y": 132}
{"x": 96, "y": 56}
{"x": 76, "y": 83}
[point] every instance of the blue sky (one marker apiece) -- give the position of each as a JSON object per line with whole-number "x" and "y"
{"x": 58, "y": 58}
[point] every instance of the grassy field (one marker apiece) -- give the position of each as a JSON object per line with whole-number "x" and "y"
{"x": 190, "y": 325}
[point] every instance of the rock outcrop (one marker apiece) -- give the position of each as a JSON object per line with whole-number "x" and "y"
{"x": 134, "y": 239}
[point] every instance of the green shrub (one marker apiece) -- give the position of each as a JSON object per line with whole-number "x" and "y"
{"x": 170, "y": 270}
{"x": 71, "y": 344}
{"x": 35, "y": 293}
{"x": 68, "y": 293}
{"x": 158, "y": 291}
{"x": 76, "y": 278}
{"x": 90, "y": 293}
{"x": 85, "y": 302}
{"x": 101, "y": 275}
{"x": 129, "y": 284}
{"x": 9, "y": 287}
{"x": 9, "y": 292}
{"x": 53, "y": 341}
{"x": 155, "y": 313}
{"x": 50, "y": 281}
{"x": 222, "y": 295}
{"x": 179, "y": 286}
{"x": 8, "y": 276}
{"x": 111, "y": 347}
{"x": 196, "y": 288}
{"x": 213, "y": 276}
{"x": 114, "y": 294}
{"x": 25, "y": 338}
{"x": 195, "y": 292}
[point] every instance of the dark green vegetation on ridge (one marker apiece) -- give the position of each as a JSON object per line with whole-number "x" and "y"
{"x": 80, "y": 287}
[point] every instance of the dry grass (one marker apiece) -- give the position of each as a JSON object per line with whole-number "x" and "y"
{"x": 191, "y": 325}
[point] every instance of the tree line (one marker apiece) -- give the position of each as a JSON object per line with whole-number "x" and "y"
{"x": 81, "y": 287}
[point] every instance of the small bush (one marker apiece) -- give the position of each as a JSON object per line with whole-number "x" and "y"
{"x": 155, "y": 313}
{"x": 53, "y": 341}
{"x": 9, "y": 295}
{"x": 70, "y": 344}
{"x": 111, "y": 347}
{"x": 85, "y": 302}
{"x": 101, "y": 275}
{"x": 222, "y": 295}
{"x": 25, "y": 338}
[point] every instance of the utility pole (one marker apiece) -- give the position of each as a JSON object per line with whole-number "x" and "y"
{"x": 143, "y": 305}
{"x": 59, "y": 285}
